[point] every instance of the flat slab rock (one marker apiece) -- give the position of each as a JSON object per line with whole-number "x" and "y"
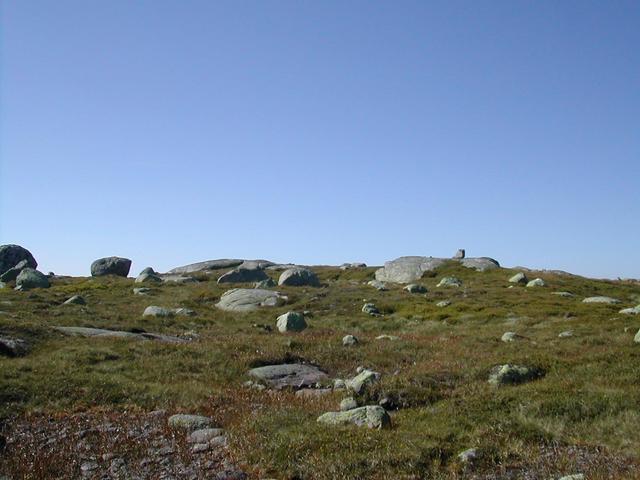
{"x": 247, "y": 299}
{"x": 412, "y": 268}
{"x": 288, "y": 375}
{"x": 99, "y": 332}
{"x": 219, "y": 263}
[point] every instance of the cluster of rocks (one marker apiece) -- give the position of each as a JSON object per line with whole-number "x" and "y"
{"x": 18, "y": 265}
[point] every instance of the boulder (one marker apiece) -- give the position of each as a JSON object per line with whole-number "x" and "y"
{"x": 244, "y": 273}
{"x": 267, "y": 283}
{"x": 511, "y": 337}
{"x": 291, "y": 322}
{"x": 536, "y": 282}
{"x": 349, "y": 341}
{"x": 148, "y": 270}
{"x": 378, "y": 285}
{"x": 608, "y": 300}
{"x": 460, "y": 254}
{"x": 207, "y": 265}
{"x": 298, "y": 277}
{"x": 443, "y": 303}
{"x": 360, "y": 382}
{"x": 288, "y": 375}
{"x": 189, "y": 422}
{"x": 449, "y": 282}
{"x": 12, "y": 255}
{"x": 102, "y": 333}
{"x": 155, "y": 311}
{"x": 350, "y": 266}
{"x": 370, "y": 309}
{"x": 111, "y": 266}
{"x": 13, "y": 347}
{"x": 631, "y": 311}
{"x": 565, "y": 334}
{"x": 369, "y": 416}
{"x": 204, "y": 435}
{"x": 11, "y": 274}
{"x": 480, "y": 264}
{"x": 30, "y": 278}
{"x": 75, "y": 300}
{"x": 407, "y": 269}
{"x": 147, "y": 277}
{"x": 519, "y": 278}
{"x": 513, "y": 374}
{"x": 247, "y": 299}
{"x": 348, "y": 403}
{"x": 415, "y": 288}
{"x": 636, "y": 339}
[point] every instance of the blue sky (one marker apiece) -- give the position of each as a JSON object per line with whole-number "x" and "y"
{"x": 321, "y": 132}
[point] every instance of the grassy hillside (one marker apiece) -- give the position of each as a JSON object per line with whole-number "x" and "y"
{"x": 582, "y": 416}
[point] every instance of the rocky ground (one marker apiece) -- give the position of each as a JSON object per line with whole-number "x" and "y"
{"x": 426, "y": 368}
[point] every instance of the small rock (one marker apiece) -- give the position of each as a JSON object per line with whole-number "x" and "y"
{"x": 349, "y": 341}
{"x": 511, "y": 337}
{"x": 141, "y": 291}
{"x": 631, "y": 311}
{"x": 155, "y": 311}
{"x": 291, "y": 322}
{"x": 519, "y": 278}
{"x": 449, "y": 282}
{"x": 601, "y": 299}
{"x": 75, "y": 300}
{"x": 339, "y": 384}
{"x": 636, "y": 339}
{"x": 536, "y": 282}
{"x": 360, "y": 382}
{"x": 369, "y": 416}
{"x": 184, "y": 312}
{"x": 563, "y": 294}
{"x": 565, "y": 334}
{"x": 378, "y": 285}
{"x": 348, "y": 403}
{"x": 204, "y": 435}
{"x": 443, "y": 303}
{"x": 189, "y": 422}
{"x": 370, "y": 309}
{"x": 468, "y": 456}
{"x": 513, "y": 374}
{"x": 415, "y": 288}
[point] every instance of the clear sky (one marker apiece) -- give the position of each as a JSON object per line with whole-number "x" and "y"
{"x": 315, "y": 132}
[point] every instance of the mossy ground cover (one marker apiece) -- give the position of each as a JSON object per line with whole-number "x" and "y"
{"x": 581, "y": 416}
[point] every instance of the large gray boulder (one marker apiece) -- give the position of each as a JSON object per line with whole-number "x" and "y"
{"x": 244, "y": 273}
{"x": 207, "y": 265}
{"x": 298, "y": 277}
{"x": 291, "y": 322}
{"x": 412, "y": 268}
{"x": 247, "y": 299}
{"x": 371, "y": 416}
{"x": 147, "y": 277}
{"x": 288, "y": 375}
{"x": 11, "y": 255}
{"x": 11, "y": 274}
{"x": 111, "y": 266}
{"x": 30, "y": 278}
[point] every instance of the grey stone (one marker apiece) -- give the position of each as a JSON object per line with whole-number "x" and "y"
{"x": 155, "y": 311}
{"x": 148, "y": 270}
{"x": 536, "y": 282}
{"x": 75, "y": 300}
{"x": 449, "y": 282}
{"x": 631, "y": 311}
{"x": 11, "y": 274}
{"x": 141, "y": 291}
{"x": 102, "y": 333}
{"x": 480, "y": 264}
{"x": 13, "y": 347}
{"x": 511, "y": 337}
{"x": 291, "y": 322}
{"x": 415, "y": 288}
{"x": 636, "y": 339}
{"x": 29, "y": 278}
{"x": 148, "y": 278}
{"x": 189, "y": 422}
{"x": 565, "y": 334}
{"x": 607, "y": 300}
{"x": 460, "y": 254}
{"x": 443, "y": 303}
{"x": 12, "y": 255}
{"x": 362, "y": 381}
{"x": 243, "y": 274}
{"x": 348, "y": 403}
{"x": 369, "y": 416}
{"x": 267, "y": 283}
{"x": 288, "y": 375}
{"x": 519, "y": 277}
{"x": 111, "y": 266}
{"x": 370, "y": 309}
{"x": 247, "y": 299}
{"x": 349, "y": 341}
{"x": 468, "y": 456}
{"x": 512, "y": 374}
{"x": 204, "y": 435}
{"x": 298, "y": 277}
{"x": 563, "y": 294}
{"x": 407, "y": 269}
{"x": 184, "y": 312}
{"x": 378, "y": 285}
{"x": 350, "y": 266}
{"x": 207, "y": 265}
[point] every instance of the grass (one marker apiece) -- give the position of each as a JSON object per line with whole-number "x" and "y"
{"x": 583, "y": 414}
